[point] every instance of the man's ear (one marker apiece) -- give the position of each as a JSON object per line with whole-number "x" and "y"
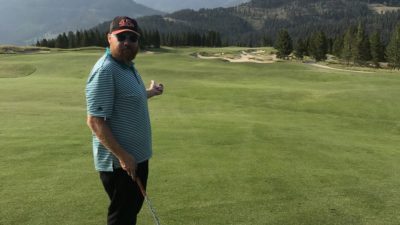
{"x": 109, "y": 38}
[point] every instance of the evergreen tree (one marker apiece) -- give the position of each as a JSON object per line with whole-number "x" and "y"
{"x": 361, "y": 48}
{"x": 51, "y": 43}
{"x": 92, "y": 38}
{"x": 212, "y": 38}
{"x": 337, "y": 46}
{"x": 203, "y": 40}
{"x": 300, "y": 49}
{"x": 330, "y": 42}
{"x": 218, "y": 41}
{"x": 71, "y": 40}
{"x": 377, "y": 49}
{"x": 284, "y": 44}
{"x": 393, "y": 49}
{"x": 43, "y": 43}
{"x": 348, "y": 39}
{"x": 61, "y": 42}
{"x": 84, "y": 39}
{"x": 319, "y": 46}
{"x": 78, "y": 39}
{"x": 157, "y": 39}
{"x": 267, "y": 41}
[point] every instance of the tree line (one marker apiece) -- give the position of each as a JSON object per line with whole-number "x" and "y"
{"x": 356, "y": 46}
{"x": 148, "y": 39}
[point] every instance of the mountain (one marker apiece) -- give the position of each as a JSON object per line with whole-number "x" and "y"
{"x": 24, "y": 21}
{"x": 175, "y": 5}
{"x": 262, "y": 19}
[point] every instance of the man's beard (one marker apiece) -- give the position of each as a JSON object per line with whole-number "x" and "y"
{"x": 127, "y": 54}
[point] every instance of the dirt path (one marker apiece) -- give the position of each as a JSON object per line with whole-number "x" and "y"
{"x": 331, "y": 68}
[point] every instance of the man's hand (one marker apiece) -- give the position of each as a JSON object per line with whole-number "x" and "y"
{"x": 154, "y": 89}
{"x": 128, "y": 163}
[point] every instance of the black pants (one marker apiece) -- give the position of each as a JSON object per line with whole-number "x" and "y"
{"x": 125, "y": 196}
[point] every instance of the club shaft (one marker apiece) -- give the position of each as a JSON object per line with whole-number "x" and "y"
{"x": 153, "y": 212}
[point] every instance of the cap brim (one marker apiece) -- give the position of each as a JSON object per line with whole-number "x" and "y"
{"x": 124, "y": 30}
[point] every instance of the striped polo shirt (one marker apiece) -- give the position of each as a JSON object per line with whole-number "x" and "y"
{"x": 115, "y": 92}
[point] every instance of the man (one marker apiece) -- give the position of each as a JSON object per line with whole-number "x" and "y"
{"x": 119, "y": 119}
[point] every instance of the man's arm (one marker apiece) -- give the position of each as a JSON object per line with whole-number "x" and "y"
{"x": 103, "y": 132}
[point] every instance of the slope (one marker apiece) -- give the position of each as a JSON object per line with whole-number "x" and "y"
{"x": 28, "y": 20}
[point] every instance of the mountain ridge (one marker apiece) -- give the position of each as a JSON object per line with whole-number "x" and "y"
{"x": 32, "y": 20}
{"x": 259, "y": 18}
{"x": 175, "y": 5}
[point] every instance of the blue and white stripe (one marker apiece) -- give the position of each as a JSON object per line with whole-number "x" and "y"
{"x": 115, "y": 92}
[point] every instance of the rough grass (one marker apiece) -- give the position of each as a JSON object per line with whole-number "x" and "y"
{"x": 241, "y": 143}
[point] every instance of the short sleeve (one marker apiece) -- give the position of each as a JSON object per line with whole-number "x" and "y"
{"x": 100, "y": 93}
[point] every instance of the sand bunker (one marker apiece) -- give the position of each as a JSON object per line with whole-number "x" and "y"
{"x": 258, "y": 56}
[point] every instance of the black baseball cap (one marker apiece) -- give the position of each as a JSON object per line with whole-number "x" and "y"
{"x": 124, "y": 24}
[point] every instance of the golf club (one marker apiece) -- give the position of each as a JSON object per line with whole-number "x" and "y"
{"x": 153, "y": 212}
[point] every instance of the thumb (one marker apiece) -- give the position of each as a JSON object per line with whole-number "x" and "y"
{"x": 151, "y": 83}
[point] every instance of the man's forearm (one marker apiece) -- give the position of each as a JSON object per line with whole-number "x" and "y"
{"x": 100, "y": 128}
{"x": 103, "y": 132}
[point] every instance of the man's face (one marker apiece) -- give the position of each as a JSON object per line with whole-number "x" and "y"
{"x": 124, "y": 46}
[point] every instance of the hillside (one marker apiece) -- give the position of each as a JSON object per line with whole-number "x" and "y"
{"x": 260, "y": 19}
{"x": 174, "y": 5}
{"x": 28, "y": 20}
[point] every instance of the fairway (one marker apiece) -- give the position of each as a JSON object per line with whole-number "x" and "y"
{"x": 284, "y": 143}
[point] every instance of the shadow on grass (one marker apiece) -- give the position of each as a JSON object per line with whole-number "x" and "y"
{"x": 16, "y": 71}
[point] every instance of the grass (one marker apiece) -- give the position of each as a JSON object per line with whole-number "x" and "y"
{"x": 283, "y": 143}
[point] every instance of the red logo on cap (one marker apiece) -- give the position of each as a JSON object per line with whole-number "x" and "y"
{"x": 126, "y": 23}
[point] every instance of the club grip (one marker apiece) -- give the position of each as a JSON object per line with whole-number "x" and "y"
{"x": 140, "y": 185}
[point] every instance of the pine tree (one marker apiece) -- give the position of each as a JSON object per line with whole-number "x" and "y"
{"x": 84, "y": 39}
{"x": 319, "y": 46}
{"x": 393, "y": 49}
{"x": 71, "y": 40}
{"x": 300, "y": 49}
{"x": 337, "y": 46}
{"x": 92, "y": 38}
{"x": 267, "y": 41}
{"x": 361, "y": 48}
{"x": 284, "y": 44}
{"x": 44, "y": 43}
{"x": 330, "y": 42}
{"x": 51, "y": 43}
{"x": 348, "y": 39}
{"x": 377, "y": 49}
{"x": 78, "y": 39}
{"x": 157, "y": 39}
{"x": 59, "y": 41}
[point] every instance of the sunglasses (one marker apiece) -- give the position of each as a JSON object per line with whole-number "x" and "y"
{"x": 123, "y": 36}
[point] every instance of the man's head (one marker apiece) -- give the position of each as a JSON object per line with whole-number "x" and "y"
{"x": 123, "y": 38}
